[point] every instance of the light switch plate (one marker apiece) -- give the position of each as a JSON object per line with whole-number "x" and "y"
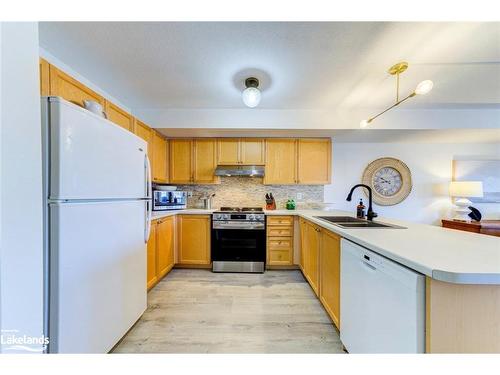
{"x": 300, "y": 196}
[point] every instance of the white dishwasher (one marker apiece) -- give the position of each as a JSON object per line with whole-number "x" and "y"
{"x": 382, "y": 303}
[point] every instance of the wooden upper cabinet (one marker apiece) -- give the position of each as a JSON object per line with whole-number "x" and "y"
{"x": 146, "y": 133}
{"x": 228, "y": 151}
{"x": 329, "y": 277}
{"x": 193, "y": 161}
{"x": 118, "y": 116}
{"x": 159, "y": 167}
{"x": 244, "y": 151}
{"x": 181, "y": 161}
{"x": 281, "y": 161}
{"x": 165, "y": 245}
{"x": 193, "y": 236}
{"x": 205, "y": 161}
{"x": 314, "y": 161}
{"x": 70, "y": 89}
{"x": 252, "y": 151}
{"x": 152, "y": 276}
{"x": 44, "y": 71}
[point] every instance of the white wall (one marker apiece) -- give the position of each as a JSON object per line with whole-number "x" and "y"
{"x": 21, "y": 269}
{"x": 431, "y": 168}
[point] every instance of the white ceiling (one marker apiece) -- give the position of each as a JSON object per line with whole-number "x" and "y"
{"x": 306, "y": 65}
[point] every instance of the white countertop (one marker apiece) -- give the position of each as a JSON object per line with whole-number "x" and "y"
{"x": 443, "y": 254}
{"x": 191, "y": 211}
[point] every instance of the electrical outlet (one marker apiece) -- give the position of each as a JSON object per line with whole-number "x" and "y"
{"x": 190, "y": 194}
{"x": 300, "y": 196}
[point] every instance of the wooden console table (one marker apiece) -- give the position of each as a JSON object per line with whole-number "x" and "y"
{"x": 491, "y": 227}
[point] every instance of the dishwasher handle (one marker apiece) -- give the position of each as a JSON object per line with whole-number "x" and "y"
{"x": 366, "y": 261}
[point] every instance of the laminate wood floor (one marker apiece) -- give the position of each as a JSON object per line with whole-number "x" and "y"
{"x": 197, "y": 311}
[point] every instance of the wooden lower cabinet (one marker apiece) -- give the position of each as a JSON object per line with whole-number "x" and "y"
{"x": 312, "y": 262}
{"x": 329, "y": 274}
{"x": 303, "y": 244}
{"x": 160, "y": 249}
{"x": 320, "y": 264}
{"x": 165, "y": 232}
{"x": 193, "y": 239}
{"x": 462, "y": 318}
{"x": 280, "y": 240}
{"x": 152, "y": 277}
{"x": 310, "y": 253}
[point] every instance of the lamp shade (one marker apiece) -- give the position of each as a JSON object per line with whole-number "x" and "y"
{"x": 466, "y": 189}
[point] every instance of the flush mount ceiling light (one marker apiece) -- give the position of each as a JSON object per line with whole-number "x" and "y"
{"x": 422, "y": 88}
{"x": 251, "y": 95}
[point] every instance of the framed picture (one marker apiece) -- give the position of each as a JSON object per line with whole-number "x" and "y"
{"x": 485, "y": 170}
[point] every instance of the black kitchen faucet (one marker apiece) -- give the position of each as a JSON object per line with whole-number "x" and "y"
{"x": 370, "y": 214}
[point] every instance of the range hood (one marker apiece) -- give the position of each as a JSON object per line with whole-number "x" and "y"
{"x": 240, "y": 170}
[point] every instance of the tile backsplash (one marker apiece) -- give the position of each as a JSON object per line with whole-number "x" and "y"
{"x": 250, "y": 192}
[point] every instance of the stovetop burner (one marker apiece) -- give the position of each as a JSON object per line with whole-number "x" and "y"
{"x": 241, "y": 209}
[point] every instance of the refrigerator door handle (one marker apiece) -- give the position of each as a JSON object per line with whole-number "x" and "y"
{"x": 147, "y": 230}
{"x": 149, "y": 202}
{"x": 149, "y": 182}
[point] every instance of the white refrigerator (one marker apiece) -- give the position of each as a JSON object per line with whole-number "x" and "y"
{"x": 97, "y": 218}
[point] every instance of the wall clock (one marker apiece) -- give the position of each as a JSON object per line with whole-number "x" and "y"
{"x": 390, "y": 180}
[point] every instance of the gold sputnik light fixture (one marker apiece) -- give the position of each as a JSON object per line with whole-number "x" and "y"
{"x": 422, "y": 88}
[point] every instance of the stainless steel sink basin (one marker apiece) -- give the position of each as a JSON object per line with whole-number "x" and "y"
{"x": 355, "y": 223}
{"x": 340, "y": 219}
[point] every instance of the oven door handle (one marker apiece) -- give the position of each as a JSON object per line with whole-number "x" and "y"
{"x": 255, "y": 227}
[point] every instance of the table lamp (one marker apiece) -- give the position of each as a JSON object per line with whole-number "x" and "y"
{"x": 461, "y": 190}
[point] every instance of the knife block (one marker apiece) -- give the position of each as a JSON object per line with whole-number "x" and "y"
{"x": 271, "y": 206}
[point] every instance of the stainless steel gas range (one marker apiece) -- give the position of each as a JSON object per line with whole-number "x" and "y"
{"x": 239, "y": 240}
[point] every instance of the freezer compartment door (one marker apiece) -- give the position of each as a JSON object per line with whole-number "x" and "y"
{"x": 92, "y": 158}
{"x": 97, "y": 274}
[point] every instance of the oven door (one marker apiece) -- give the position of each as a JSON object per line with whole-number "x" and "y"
{"x": 239, "y": 245}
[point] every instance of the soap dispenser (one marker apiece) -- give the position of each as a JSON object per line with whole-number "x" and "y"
{"x": 360, "y": 210}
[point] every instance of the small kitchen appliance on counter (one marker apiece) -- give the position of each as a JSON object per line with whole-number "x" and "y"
{"x": 169, "y": 200}
{"x": 239, "y": 240}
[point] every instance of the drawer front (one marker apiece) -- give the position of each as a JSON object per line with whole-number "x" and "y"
{"x": 280, "y": 220}
{"x": 279, "y": 231}
{"x": 280, "y": 243}
{"x": 280, "y": 257}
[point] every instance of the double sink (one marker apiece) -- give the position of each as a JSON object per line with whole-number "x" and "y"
{"x": 352, "y": 222}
